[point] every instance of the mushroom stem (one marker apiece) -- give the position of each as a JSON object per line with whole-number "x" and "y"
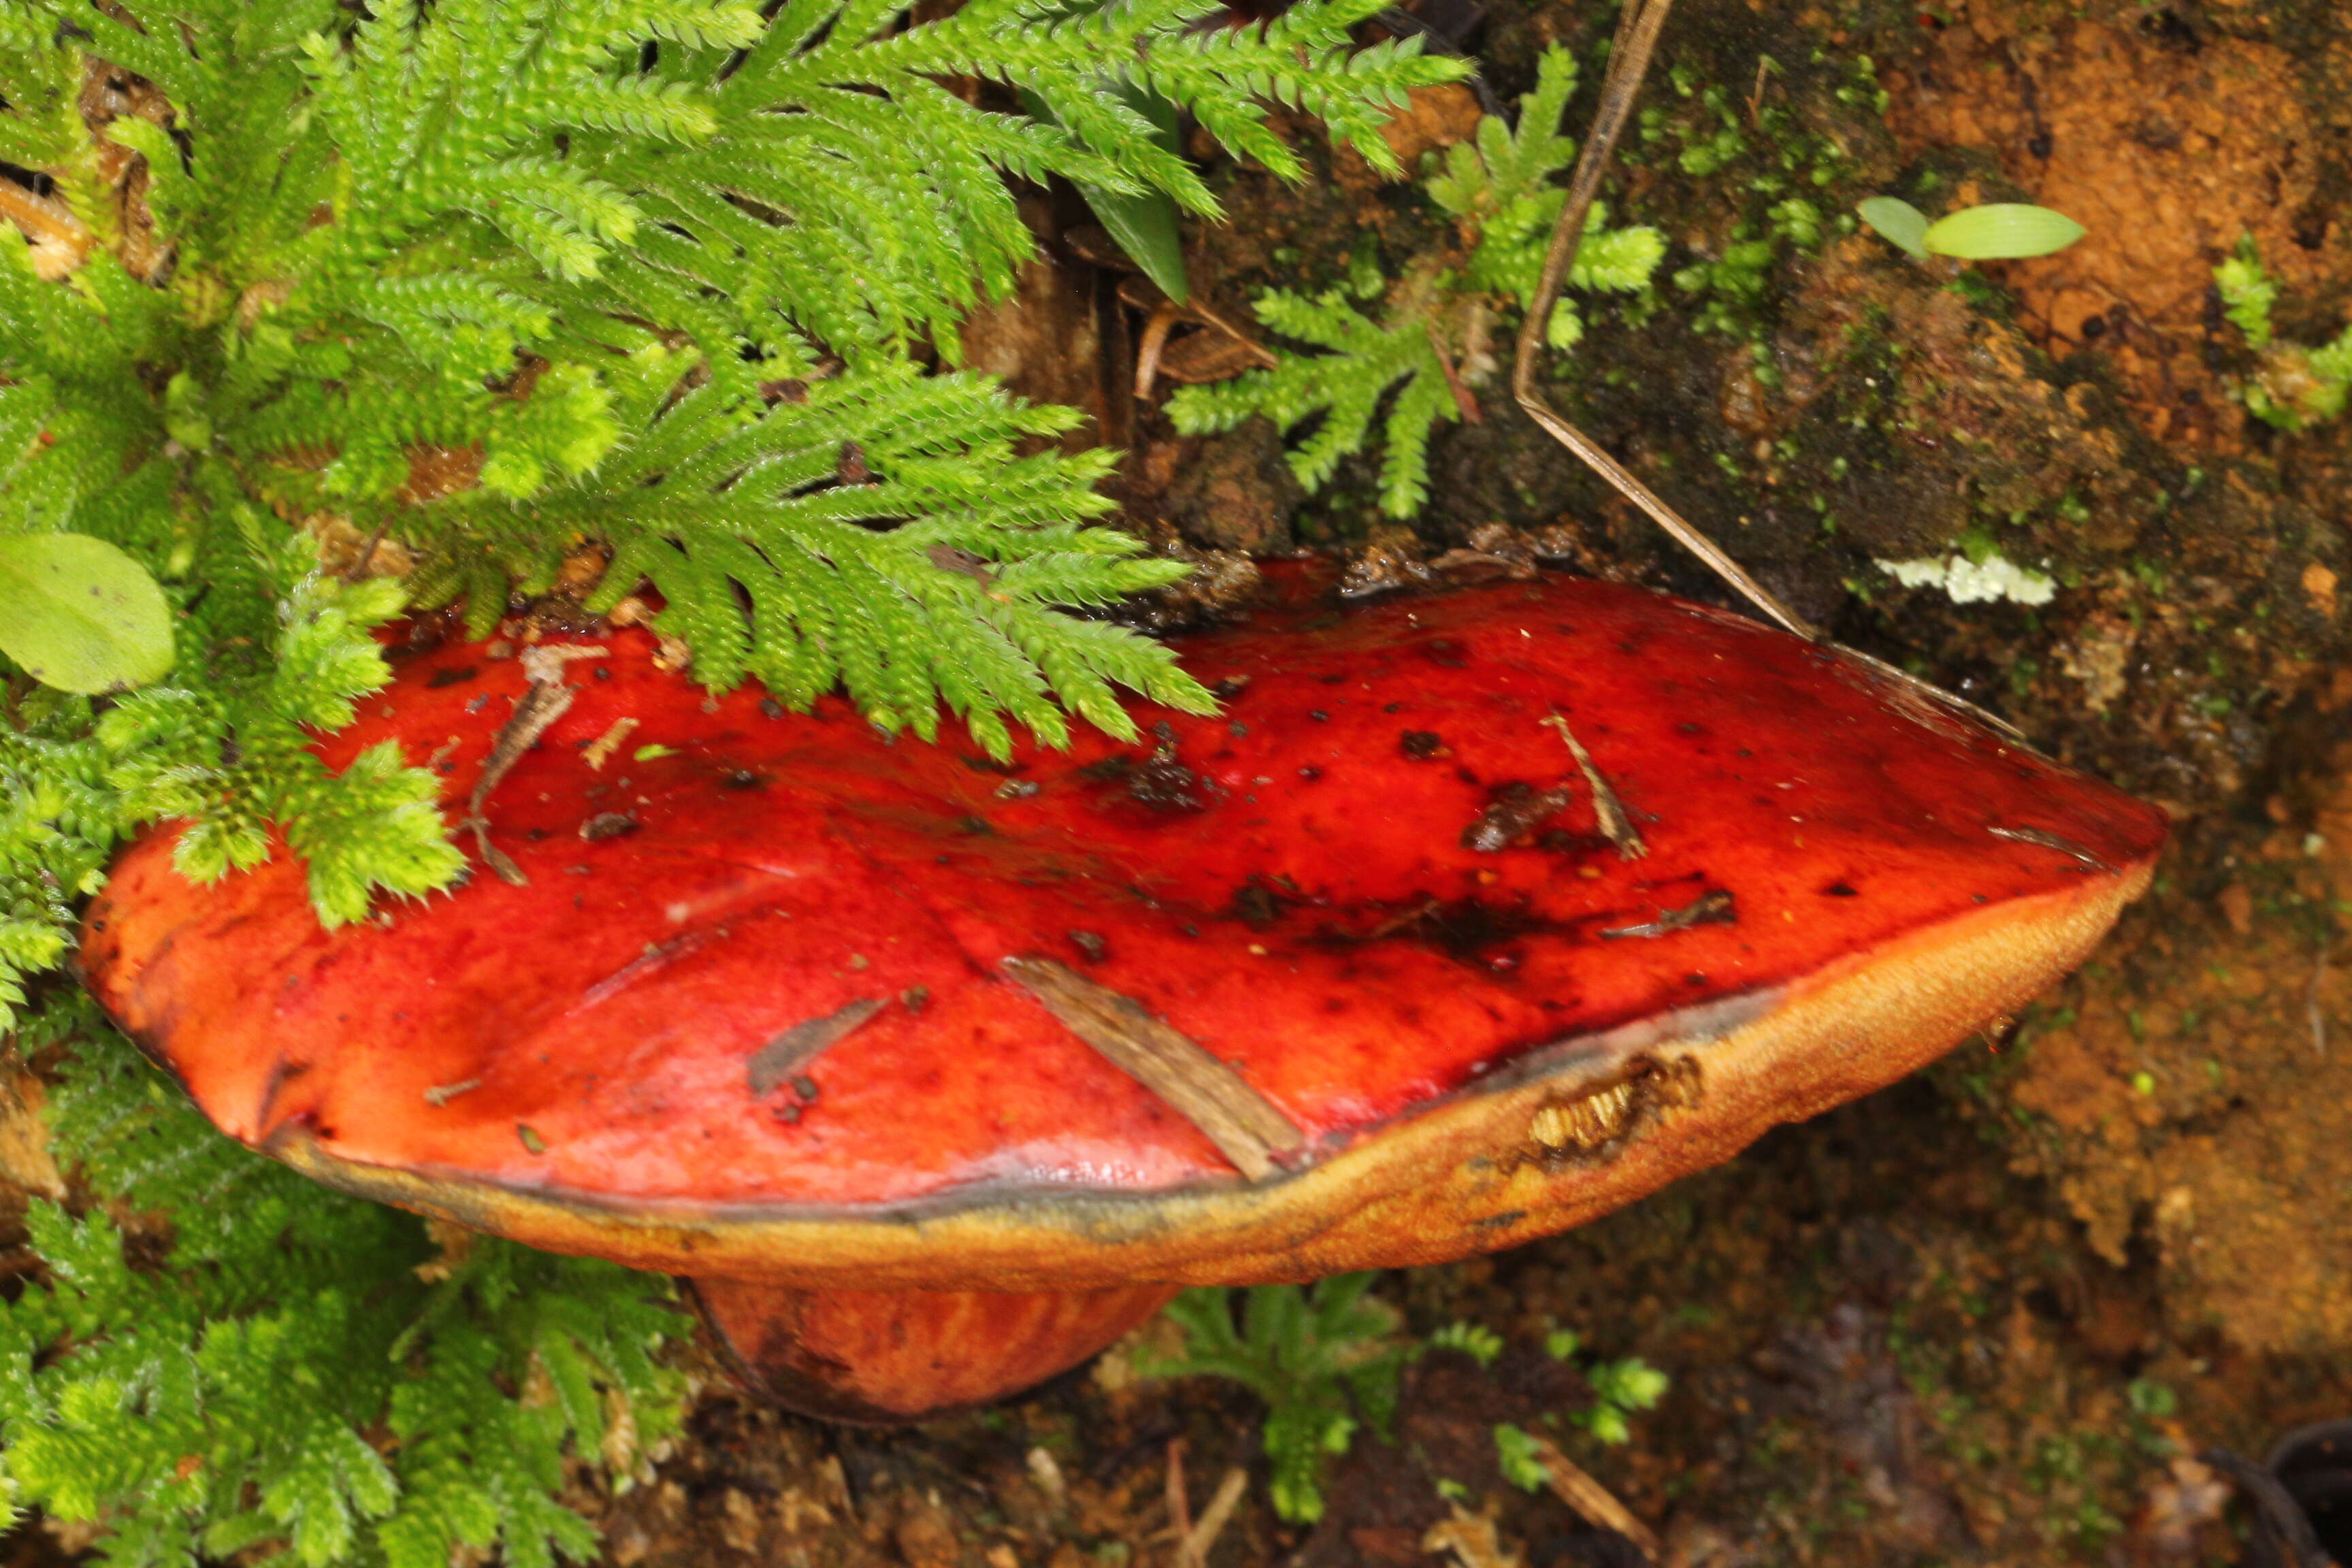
{"x": 901, "y": 1355}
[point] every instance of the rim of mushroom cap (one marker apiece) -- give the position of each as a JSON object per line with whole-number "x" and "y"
{"x": 1570, "y": 1131}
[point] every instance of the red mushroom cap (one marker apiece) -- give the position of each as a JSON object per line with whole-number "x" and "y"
{"x": 783, "y": 999}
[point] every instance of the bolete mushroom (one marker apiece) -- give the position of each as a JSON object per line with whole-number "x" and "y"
{"x": 1471, "y": 917}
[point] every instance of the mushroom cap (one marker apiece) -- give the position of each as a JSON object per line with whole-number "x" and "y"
{"x": 783, "y": 999}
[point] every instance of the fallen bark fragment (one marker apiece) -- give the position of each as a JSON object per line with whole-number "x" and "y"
{"x": 1247, "y": 1128}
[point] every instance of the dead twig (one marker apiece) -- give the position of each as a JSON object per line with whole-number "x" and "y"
{"x": 1180, "y": 1503}
{"x": 1247, "y": 1128}
{"x": 1474, "y": 1539}
{"x": 1629, "y": 61}
{"x": 1163, "y": 316}
{"x": 1250, "y": 345}
{"x": 358, "y": 570}
{"x": 782, "y": 1058}
{"x": 1764, "y": 64}
{"x": 1616, "y": 823}
{"x": 2313, "y": 1011}
{"x": 1192, "y": 1550}
{"x": 1591, "y": 1500}
{"x": 1463, "y": 403}
{"x": 602, "y": 748}
{"x": 1162, "y": 321}
{"x": 546, "y": 700}
{"x": 1714, "y": 907}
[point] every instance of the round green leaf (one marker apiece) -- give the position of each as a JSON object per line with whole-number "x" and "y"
{"x": 1898, "y": 222}
{"x": 2003, "y": 231}
{"x": 80, "y": 615}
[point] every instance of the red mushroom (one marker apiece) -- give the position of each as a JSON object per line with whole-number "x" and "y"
{"x": 1471, "y": 918}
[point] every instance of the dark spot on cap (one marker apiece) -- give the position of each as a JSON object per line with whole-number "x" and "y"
{"x": 1446, "y": 653}
{"x": 1421, "y": 744}
{"x": 1164, "y": 784}
{"x": 1090, "y": 944}
{"x": 1111, "y": 767}
{"x": 1256, "y": 905}
{"x": 1839, "y": 891}
{"x": 442, "y": 678}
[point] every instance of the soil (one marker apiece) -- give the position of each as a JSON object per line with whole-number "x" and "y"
{"x": 1991, "y": 1315}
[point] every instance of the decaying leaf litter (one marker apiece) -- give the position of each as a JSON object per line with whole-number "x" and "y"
{"x": 1973, "y": 1319}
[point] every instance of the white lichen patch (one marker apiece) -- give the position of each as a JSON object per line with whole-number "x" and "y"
{"x": 1966, "y": 582}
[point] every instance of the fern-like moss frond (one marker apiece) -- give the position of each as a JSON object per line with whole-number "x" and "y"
{"x": 1501, "y": 187}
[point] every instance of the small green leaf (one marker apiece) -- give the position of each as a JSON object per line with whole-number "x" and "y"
{"x": 2003, "y": 231}
{"x": 1897, "y": 222}
{"x": 80, "y": 615}
{"x": 1520, "y": 1459}
{"x": 1145, "y": 227}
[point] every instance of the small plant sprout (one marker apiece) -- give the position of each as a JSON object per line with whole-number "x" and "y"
{"x": 1479, "y": 1343}
{"x": 1999, "y": 231}
{"x": 1620, "y": 1388}
{"x": 2294, "y": 385}
{"x": 1325, "y": 1360}
{"x": 1520, "y": 1459}
{"x": 2247, "y": 293}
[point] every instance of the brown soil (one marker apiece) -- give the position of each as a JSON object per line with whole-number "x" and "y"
{"x": 2169, "y": 142}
